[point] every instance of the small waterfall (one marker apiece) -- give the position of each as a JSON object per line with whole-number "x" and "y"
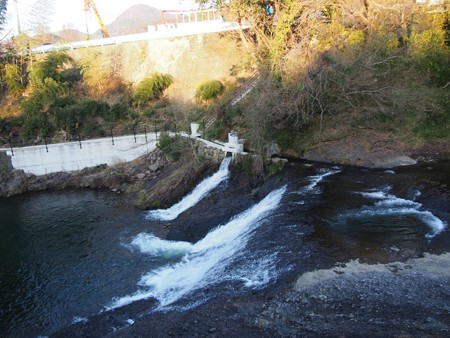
{"x": 205, "y": 262}
{"x": 200, "y": 191}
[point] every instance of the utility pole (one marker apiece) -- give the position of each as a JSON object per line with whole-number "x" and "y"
{"x": 19, "y": 31}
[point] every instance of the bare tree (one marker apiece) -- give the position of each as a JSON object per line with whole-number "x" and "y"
{"x": 39, "y": 17}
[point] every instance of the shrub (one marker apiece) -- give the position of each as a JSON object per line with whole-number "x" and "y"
{"x": 435, "y": 123}
{"x": 152, "y": 88}
{"x": 13, "y": 79}
{"x": 72, "y": 116}
{"x": 118, "y": 112}
{"x": 285, "y": 139}
{"x": 215, "y": 131}
{"x": 209, "y": 90}
{"x": 51, "y": 68}
{"x": 170, "y": 146}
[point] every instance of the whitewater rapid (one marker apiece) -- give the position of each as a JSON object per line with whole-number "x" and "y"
{"x": 205, "y": 262}
{"x": 388, "y": 206}
{"x": 200, "y": 191}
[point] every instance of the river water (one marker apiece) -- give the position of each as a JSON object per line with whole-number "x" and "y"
{"x": 65, "y": 256}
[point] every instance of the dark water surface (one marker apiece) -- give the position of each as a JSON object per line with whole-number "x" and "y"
{"x": 67, "y": 255}
{"x": 62, "y": 258}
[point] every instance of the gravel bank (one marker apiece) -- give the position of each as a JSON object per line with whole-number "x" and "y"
{"x": 410, "y": 299}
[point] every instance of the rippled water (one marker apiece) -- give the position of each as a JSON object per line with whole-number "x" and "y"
{"x": 62, "y": 258}
{"x": 65, "y": 256}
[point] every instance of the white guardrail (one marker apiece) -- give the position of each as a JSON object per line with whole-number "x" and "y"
{"x": 154, "y": 32}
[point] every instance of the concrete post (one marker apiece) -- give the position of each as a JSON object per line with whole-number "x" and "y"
{"x": 194, "y": 130}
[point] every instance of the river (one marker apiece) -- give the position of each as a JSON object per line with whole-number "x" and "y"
{"x": 65, "y": 256}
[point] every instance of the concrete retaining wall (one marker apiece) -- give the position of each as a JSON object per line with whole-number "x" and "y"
{"x": 40, "y": 160}
{"x": 70, "y": 156}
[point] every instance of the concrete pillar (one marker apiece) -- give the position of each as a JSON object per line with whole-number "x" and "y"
{"x": 194, "y": 130}
{"x": 233, "y": 141}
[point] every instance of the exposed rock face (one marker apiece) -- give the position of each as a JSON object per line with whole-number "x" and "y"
{"x": 12, "y": 183}
{"x": 152, "y": 180}
{"x": 369, "y": 149}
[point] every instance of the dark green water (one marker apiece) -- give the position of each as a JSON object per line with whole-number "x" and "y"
{"x": 62, "y": 257}
{"x": 65, "y": 256}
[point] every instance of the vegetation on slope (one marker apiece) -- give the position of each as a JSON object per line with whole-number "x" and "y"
{"x": 327, "y": 69}
{"x": 333, "y": 68}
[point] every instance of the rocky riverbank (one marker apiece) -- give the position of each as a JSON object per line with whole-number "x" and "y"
{"x": 374, "y": 149}
{"x": 152, "y": 180}
{"x": 335, "y": 298}
{"x": 409, "y": 299}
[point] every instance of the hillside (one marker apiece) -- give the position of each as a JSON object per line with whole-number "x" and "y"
{"x": 352, "y": 83}
{"x": 134, "y": 20}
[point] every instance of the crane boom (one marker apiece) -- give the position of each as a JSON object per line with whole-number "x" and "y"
{"x": 90, "y": 4}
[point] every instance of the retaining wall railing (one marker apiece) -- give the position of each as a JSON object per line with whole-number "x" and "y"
{"x": 70, "y": 156}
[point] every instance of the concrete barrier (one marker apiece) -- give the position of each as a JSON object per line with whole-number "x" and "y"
{"x": 69, "y": 156}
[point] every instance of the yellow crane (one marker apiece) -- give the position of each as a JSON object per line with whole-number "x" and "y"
{"x": 90, "y": 4}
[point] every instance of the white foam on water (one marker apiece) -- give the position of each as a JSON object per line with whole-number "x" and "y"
{"x": 207, "y": 260}
{"x": 155, "y": 246}
{"x": 391, "y": 205}
{"x": 77, "y": 319}
{"x": 314, "y": 180}
{"x": 258, "y": 272}
{"x": 199, "y": 192}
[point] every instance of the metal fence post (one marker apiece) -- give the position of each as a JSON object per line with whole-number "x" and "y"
{"x": 11, "y": 147}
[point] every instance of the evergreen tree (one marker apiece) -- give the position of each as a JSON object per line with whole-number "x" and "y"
{"x": 3, "y": 7}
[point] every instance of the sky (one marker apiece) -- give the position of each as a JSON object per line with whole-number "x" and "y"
{"x": 70, "y": 13}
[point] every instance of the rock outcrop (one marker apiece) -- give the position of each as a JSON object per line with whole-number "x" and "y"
{"x": 369, "y": 149}
{"x": 152, "y": 180}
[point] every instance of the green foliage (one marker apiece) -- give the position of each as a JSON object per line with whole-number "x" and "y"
{"x": 141, "y": 201}
{"x": 13, "y": 79}
{"x": 150, "y": 112}
{"x": 3, "y": 8}
{"x": 51, "y": 68}
{"x": 152, "y": 88}
{"x": 437, "y": 65}
{"x": 34, "y": 125}
{"x": 244, "y": 166}
{"x": 35, "y": 103}
{"x": 5, "y": 126}
{"x": 283, "y": 30}
{"x": 118, "y": 112}
{"x": 230, "y": 114}
{"x": 435, "y": 124}
{"x": 171, "y": 146}
{"x": 275, "y": 167}
{"x": 77, "y": 117}
{"x": 215, "y": 131}
{"x": 209, "y": 90}
{"x": 285, "y": 139}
